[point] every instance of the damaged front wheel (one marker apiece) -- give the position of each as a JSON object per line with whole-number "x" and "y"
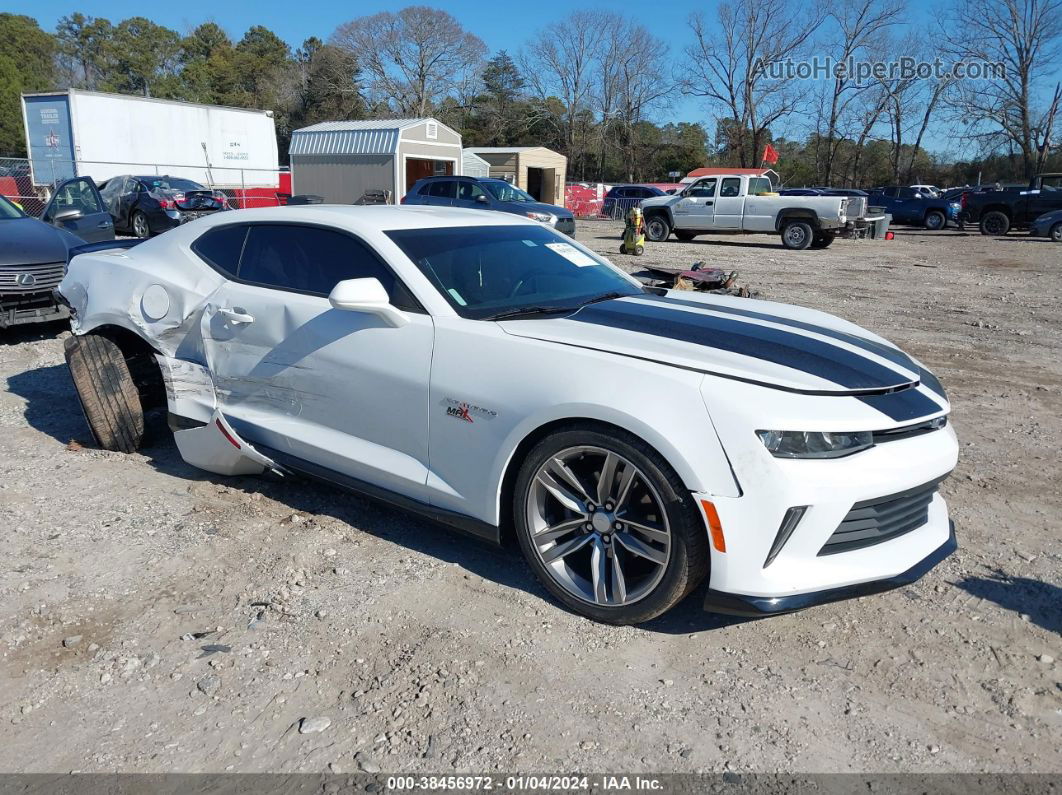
{"x": 107, "y": 392}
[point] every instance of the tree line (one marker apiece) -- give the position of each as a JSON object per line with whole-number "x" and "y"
{"x": 594, "y": 85}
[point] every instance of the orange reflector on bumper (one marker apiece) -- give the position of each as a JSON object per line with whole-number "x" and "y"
{"x": 715, "y": 527}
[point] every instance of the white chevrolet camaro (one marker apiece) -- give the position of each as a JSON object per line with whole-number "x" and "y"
{"x": 499, "y": 377}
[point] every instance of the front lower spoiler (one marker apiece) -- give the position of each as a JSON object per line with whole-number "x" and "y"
{"x": 761, "y": 606}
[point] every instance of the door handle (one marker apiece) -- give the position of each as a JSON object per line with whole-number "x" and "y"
{"x": 236, "y": 317}
{"x": 103, "y": 225}
{"x": 708, "y": 204}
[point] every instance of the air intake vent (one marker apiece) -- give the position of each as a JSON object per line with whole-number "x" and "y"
{"x": 874, "y": 521}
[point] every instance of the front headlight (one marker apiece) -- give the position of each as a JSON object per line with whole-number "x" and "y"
{"x": 814, "y": 444}
{"x": 545, "y": 218}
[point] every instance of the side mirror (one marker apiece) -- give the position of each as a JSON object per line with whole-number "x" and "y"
{"x": 481, "y": 199}
{"x": 369, "y": 296}
{"x": 67, "y": 215}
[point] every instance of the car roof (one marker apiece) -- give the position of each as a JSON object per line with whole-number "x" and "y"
{"x": 381, "y": 217}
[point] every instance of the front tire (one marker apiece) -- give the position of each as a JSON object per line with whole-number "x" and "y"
{"x": 657, "y": 228}
{"x": 797, "y": 235}
{"x": 607, "y": 526}
{"x": 1056, "y": 233}
{"x": 935, "y": 220}
{"x": 107, "y": 391}
{"x": 995, "y": 223}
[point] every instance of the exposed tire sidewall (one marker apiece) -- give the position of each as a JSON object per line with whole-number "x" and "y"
{"x": 797, "y": 235}
{"x": 689, "y": 552}
{"x": 1056, "y": 233}
{"x": 935, "y": 220}
{"x": 657, "y": 228}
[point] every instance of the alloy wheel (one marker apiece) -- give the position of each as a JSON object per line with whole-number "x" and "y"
{"x": 140, "y": 226}
{"x": 598, "y": 526}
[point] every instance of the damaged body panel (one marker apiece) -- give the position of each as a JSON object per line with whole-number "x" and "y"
{"x": 497, "y": 376}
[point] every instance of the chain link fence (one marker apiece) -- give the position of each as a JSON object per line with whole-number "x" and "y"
{"x": 242, "y": 187}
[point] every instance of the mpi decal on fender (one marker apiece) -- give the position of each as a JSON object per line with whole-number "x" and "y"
{"x": 467, "y": 412}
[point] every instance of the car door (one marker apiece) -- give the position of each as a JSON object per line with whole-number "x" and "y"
{"x": 908, "y": 208}
{"x": 1047, "y": 200}
{"x": 729, "y": 204}
{"x": 76, "y": 206}
{"x": 696, "y": 208}
{"x": 125, "y": 201}
{"x": 340, "y": 389}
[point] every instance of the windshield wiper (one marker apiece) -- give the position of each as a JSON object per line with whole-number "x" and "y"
{"x": 605, "y": 297}
{"x": 530, "y": 311}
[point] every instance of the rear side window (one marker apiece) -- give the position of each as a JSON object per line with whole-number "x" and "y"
{"x": 758, "y": 185}
{"x": 221, "y": 247}
{"x": 443, "y": 189}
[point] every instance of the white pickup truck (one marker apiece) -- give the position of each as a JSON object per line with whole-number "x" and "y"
{"x": 742, "y": 203}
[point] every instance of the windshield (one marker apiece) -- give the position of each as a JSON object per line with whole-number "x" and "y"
{"x": 504, "y": 192}
{"x": 8, "y": 209}
{"x": 490, "y": 270}
{"x": 170, "y": 183}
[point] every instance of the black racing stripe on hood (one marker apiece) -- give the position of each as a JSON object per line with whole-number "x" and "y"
{"x": 884, "y": 351}
{"x": 788, "y": 349}
{"x": 908, "y": 404}
{"x": 932, "y": 382}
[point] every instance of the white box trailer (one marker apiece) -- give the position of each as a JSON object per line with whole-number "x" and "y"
{"x": 89, "y": 133}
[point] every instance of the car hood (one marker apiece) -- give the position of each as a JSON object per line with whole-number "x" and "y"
{"x": 538, "y": 207}
{"x": 27, "y": 241}
{"x": 660, "y": 201}
{"x": 775, "y": 345}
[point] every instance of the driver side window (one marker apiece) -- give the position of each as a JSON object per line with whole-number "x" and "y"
{"x": 705, "y": 189}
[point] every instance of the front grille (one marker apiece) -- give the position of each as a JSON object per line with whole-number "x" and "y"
{"x": 29, "y": 279}
{"x": 882, "y": 518}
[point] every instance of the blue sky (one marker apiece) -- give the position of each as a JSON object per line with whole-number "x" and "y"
{"x": 502, "y": 25}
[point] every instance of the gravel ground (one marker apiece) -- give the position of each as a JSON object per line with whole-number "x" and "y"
{"x": 156, "y": 618}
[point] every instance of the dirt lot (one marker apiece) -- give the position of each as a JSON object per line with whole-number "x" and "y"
{"x": 155, "y": 618}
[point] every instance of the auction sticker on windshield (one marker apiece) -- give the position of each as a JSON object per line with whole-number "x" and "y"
{"x": 571, "y": 253}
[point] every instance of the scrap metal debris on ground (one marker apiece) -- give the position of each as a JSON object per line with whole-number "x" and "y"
{"x": 699, "y": 277}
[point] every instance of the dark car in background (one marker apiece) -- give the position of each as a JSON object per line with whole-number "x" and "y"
{"x": 488, "y": 194}
{"x": 909, "y": 206}
{"x": 145, "y": 206}
{"x": 1048, "y": 225}
{"x": 620, "y": 199}
{"x": 998, "y": 212}
{"x": 34, "y": 253}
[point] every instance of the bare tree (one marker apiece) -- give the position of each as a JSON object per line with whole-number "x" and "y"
{"x": 413, "y": 58}
{"x": 726, "y": 65}
{"x": 1011, "y": 110}
{"x": 858, "y": 25}
{"x": 639, "y": 87}
{"x": 562, "y": 62}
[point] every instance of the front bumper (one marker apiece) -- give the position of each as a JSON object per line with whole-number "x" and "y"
{"x": 31, "y": 309}
{"x": 760, "y": 606}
